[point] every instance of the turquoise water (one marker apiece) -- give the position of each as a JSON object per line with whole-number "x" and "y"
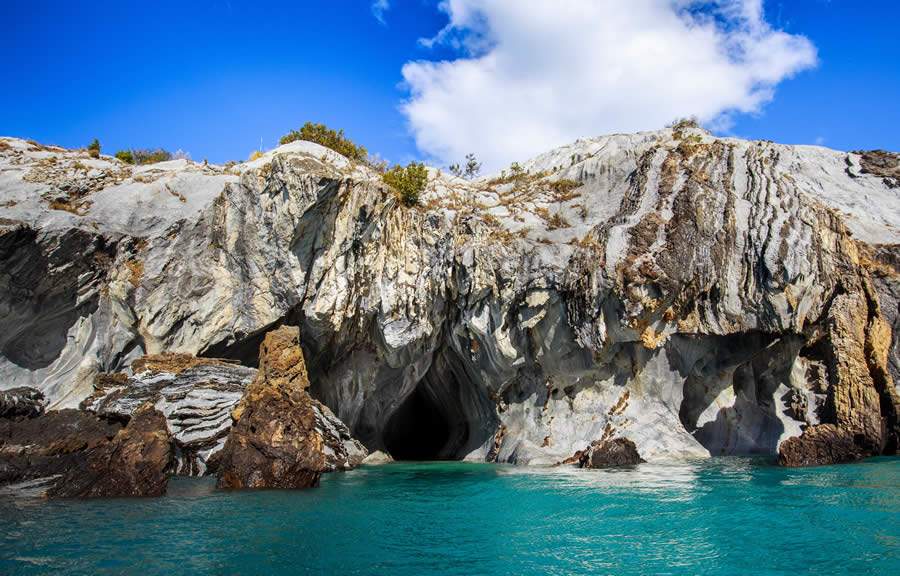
{"x": 723, "y": 516}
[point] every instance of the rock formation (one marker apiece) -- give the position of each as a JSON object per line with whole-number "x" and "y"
{"x": 609, "y": 454}
{"x": 21, "y": 402}
{"x": 281, "y": 437}
{"x": 196, "y": 395}
{"x": 698, "y": 295}
{"x": 136, "y": 462}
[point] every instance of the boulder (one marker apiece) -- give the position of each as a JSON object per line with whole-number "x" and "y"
{"x": 820, "y": 445}
{"x": 609, "y": 454}
{"x": 377, "y": 458}
{"x": 50, "y": 444}
{"x": 136, "y": 462}
{"x": 22, "y": 402}
{"x": 281, "y": 437}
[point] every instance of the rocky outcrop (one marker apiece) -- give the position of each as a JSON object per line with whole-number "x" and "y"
{"x": 612, "y": 453}
{"x": 700, "y": 295}
{"x": 137, "y": 461}
{"x": 377, "y": 458}
{"x": 819, "y": 445}
{"x": 196, "y": 396}
{"x": 281, "y": 437}
{"x": 50, "y": 444}
{"x": 21, "y": 402}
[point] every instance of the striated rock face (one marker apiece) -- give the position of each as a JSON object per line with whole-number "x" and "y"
{"x": 281, "y": 437}
{"x": 136, "y": 462}
{"x": 609, "y": 454}
{"x": 196, "y": 396}
{"x": 22, "y": 402}
{"x": 700, "y": 295}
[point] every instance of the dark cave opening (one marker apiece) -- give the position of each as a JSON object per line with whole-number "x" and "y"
{"x": 418, "y": 430}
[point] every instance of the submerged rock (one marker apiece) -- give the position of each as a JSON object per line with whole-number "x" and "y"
{"x": 137, "y": 461}
{"x": 610, "y": 453}
{"x": 281, "y": 437}
{"x": 21, "y": 402}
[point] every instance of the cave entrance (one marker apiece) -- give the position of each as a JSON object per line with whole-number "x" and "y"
{"x": 418, "y": 429}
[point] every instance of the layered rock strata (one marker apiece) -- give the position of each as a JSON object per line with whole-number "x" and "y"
{"x": 698, "y": 295}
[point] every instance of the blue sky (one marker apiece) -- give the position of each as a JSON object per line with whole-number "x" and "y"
{"x": 214, "y": 78}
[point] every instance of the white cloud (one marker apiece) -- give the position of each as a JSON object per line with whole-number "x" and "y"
{"x": 379, "y": 7}
{"x": 534, "y": 74}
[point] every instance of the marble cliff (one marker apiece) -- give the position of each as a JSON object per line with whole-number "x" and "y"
{"x": 694, "y": 295}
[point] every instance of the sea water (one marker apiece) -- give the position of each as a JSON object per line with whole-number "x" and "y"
{"x": 719, "y": 516}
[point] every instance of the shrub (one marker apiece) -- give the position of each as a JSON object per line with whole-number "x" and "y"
{"x": 94, "y": 149}
{"x": 256, "y": 155}
{"x": 151, "y": 156}
{"x": 325, "y": 136}
{"x": 409, "y": 182}
{"x": 471, "y": 170}
{"x": 125, "y": 156}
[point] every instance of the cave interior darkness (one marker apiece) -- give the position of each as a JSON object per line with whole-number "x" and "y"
{"x": 419, "y": 430}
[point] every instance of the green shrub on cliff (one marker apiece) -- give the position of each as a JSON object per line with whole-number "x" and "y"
{"x": 125, "y": 156}
{"x": 94, "y": 149}
{"x": 325, "y": 136}
{"x": 408, "y": 182}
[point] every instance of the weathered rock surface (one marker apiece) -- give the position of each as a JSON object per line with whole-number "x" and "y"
{"x": 21, "y": 402}
{"x": 281, "y": 437}
{"x": 610, "y": 453}
{"x": 822, "y": 444}
{"x": 196, "y": 396}
{"x": 137, "y": 461}
{"x": 50, "y": 444}
{"x": 377, "y": 458}
{"x": 700, "y": 295}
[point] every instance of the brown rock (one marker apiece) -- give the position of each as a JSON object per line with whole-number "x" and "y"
{"x": 280, "y": 433}
{"x": 610, "y": 453}
{"x": 136, "y": 462}
{"x": 49, "y": 444}
{"x": 23, "y": 402}
{"x": 174, "y": 363}
{"x": 819, "y": 445}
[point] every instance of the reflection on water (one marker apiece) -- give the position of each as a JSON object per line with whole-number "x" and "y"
{"x": 720, "y": 516}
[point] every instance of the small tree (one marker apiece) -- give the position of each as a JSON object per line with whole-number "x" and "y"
{"x": 409, "y": 182}
{"x": 455, "y": 170}
{"x": 94, "y": 149}
{"x": 473, "y": 167}
{"x": 125, "y": 156}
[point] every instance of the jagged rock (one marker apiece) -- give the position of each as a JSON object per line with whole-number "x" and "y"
{"x": 196, "y": 395}
{"x": 691, "y": 288}
{"x": 819, "y": 445}
{"x": 50, "y": 444}
{"x": 610, "y": 453}
{"x": 377, "y": 458}
{"x": 136, "y": 462}
{"x": 21, "y": 402}
{"x": 281, "y": 437}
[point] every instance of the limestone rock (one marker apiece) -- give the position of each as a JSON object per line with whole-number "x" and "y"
{"x": 708, "y": 295}
{"x": 136, "y": 462}
{"x": 609, "y": 454}
{"x": 819, "y": 445}
{"x": 377, "y": 458}
{"x": 21, "y": 402}
{"x": 281, "y": 437}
